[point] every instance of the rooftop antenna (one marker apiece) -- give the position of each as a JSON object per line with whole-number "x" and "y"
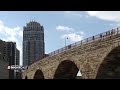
{"x": 34, "y": 19}
{"x": 30, "y": 20}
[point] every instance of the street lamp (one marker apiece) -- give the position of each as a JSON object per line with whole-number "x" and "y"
{"x": 65, "y": 40}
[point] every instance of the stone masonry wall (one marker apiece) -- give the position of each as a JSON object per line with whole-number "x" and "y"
{"x": 87, "y": 58}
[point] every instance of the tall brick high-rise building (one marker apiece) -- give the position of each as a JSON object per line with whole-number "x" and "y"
{"x": 4, "y": 61}
{"x": 9, "y": 55}
{"x": 33, "y": 42}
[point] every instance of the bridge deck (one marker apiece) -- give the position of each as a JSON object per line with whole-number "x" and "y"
{"x": 85, "y": 42}
{"x": 88, "y": 44}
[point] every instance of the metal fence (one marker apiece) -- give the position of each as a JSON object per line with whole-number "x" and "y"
{"x": 88, "y": 40}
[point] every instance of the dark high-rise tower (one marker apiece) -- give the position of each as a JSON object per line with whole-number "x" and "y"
{"x": 33, "y": 42}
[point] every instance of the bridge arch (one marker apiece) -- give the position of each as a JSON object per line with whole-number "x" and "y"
{"x": 26, "y": 77}
{"x": 66, "y": 70}
{"x": 110, "y": 67}
{"x": 38, "y": 75}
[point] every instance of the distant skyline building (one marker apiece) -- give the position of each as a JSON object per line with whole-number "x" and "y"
{"x": 11, "y": 49}
{"x": 13, "y": 57}
{"x": 18, "y": 73}
{"x": 17, "y": 57}
{"x": 33, "y": 42}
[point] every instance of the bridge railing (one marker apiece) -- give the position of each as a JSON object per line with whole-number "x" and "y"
{"x": 100, "y": 36}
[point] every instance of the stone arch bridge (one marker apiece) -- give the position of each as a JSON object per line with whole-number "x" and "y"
{"x": 97, "y": 57}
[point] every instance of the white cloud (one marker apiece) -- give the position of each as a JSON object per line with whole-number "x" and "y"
{"x": 64, "y": 29}
{"x": 77, "y": 14}
{"x": 21, "y": 33}
{"x": 11, "y": 34}
{"x": 67, "y": 11}
{"x": 70, "y": 32}
{"x": 74, "y": 37}
{"x": 74, "y": 13}
{"x": 106, "y": 15}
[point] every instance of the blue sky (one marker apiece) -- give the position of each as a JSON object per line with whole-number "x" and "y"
{"x": 76, "y": 25}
